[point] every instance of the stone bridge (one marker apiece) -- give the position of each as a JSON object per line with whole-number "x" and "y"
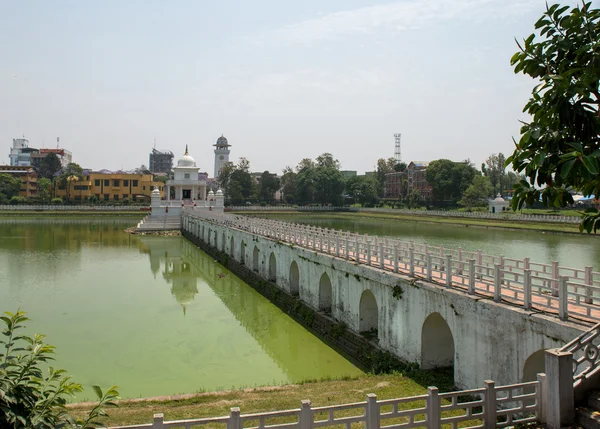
{"x": 489, "y": 323}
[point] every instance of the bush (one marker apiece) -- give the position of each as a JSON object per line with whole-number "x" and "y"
{"x": 18, "y": 200}
{"x": 56, "y": 201}
{"x": 28, "y": 397}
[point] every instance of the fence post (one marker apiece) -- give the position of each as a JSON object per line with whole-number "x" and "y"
{"x": 396, "y": 258}
{"x": 555, "y": 279}
{"x": 356, "y": 244}
{"x": 525, "y": 263}
{"x": 560, "y": 410}
{"x": 479, "y": 260}
{"x": 460, "y": 263}
{"x": 411, "y": 257}
{"x": 471, "y": 276}
{"x": 527, "y": 290}
{"x": 234, "y": 419}
{"x": 372, "y": 412}
{"x": 368, "y": 243}
{"x": 428, "y": 257}
{"x": 434, "y": 415}
{"x": 563, "y": 298}
{"x": 381, "y": 257}
{"x": 497, "y": 282}
{"x": 305, "y": 420}
{"x": 489, "y": 415}
{"x": 337, "y": 245}
{"x": 542, "y": 398}
{"x": 448, "y": 270}
{"x": 158, "y": 421}
{"x": 588, "y": 281}
{"x": 347, "y": 248}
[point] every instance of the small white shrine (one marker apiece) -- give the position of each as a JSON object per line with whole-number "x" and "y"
{"x": 498, "y": 204}
{"x": 189, "y": 188}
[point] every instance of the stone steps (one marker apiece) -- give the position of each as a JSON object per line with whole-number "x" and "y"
{"x": 160, "y": 223}
{"x": 588, "y": 414}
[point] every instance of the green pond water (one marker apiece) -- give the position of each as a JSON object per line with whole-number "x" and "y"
{"x": 571, "y": 250}
{"x": 153, "y": 315}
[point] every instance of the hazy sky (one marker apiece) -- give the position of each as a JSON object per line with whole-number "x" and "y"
{"x": 281, "y": 80}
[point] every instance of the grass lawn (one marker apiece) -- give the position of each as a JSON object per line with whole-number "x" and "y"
{"x": 214, "y": 404}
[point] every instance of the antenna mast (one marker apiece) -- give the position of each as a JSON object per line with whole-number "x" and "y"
{"x": 397, "y": 151}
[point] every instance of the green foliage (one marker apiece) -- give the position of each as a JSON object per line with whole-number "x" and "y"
{"x": 56, "y": 201}
{"x": 320, "y": 182}
{"x": 362, "y": 189}
{"x": 449, "y": 179}
{"x": 478, "y": 193}
{"x": 31, "y": 397}
{"x": 17, "y": 200}
{"x": 385, "y": 166}
{"x": 9, "y": 186}
{"x": 44, "y": 189}
{"x": 236, "y": 181}
{"x": 338, "y": 329}
{"x": 397, "y": 292}
{"x": 269, "y": 184}
{"x": 494, "y": 170}
{"x": 49, "y": 166}
{"x": 559, "y": 149}
{"x": 68, "y": 176}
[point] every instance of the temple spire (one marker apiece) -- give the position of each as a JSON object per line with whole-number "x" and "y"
{"x": 186, "y": 150}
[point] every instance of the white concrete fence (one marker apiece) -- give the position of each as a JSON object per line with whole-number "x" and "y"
{"x": 563, "y": 291}
{"x": 487, "y": 407}
{"x": 441, "y": 213}
{"x": 50, "y": 207}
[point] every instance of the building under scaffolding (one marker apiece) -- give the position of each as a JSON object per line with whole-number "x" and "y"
{"x": 160, "y": 161}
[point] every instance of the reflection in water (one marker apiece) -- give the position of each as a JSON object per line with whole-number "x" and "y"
{"x": 153, "y": 315}
{"x": 570, "y": 250}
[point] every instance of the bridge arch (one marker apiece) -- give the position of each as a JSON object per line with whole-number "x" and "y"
{"x": 255, "y": 259}
{"x": 294, "y": 279}
{"x": 437, "y": 343}
{"x": 272, "y": 267}
{"x": 368, "y": 313}
{"x": 242, "y": 252}
{"x": 534, "y": 364}
{"x": 325, "y": 293}
{"x": 231, "y": 247}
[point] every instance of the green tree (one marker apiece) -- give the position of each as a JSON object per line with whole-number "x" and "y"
{"x": 68, "y": 176}
{"x": 478, "y": 193}
{"x": 362, "y": 189}
{"x": 385, "y": 166}
{"x": 34, "y": 394}
{"x": 449, "y": 179}
{"x": 305, "y": 181}
{"x": 494, "y": 169}
{"x": 559, "y": 148}
{"x": 9, "y": 186}
{"x": 236, "y": 181}
{"x": 44, "y": 192}
{"x": 288, "y": 185}
{"x": 49, "y": 166}
{"x": 269, "y": 184}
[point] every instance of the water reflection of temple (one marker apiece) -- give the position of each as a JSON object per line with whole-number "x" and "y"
{"x": 188, "y": 269}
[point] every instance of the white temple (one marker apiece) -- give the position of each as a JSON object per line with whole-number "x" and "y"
{"x": 186, "y": 182}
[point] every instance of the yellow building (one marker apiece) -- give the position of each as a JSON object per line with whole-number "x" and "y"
{"x": 27, "y": 174}
{"x": 110, "y": 187}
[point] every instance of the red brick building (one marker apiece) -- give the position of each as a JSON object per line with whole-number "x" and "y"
{"x": 412, "y": 179}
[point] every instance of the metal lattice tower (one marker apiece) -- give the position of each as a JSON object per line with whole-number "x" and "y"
{"x": 397, "y": 151}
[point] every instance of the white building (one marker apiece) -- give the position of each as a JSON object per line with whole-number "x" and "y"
{"x": 498, "y": 204}
{"x": 20, "y": 153}
{"x": 221, "y": 154}
{"x": 186, "y": 181}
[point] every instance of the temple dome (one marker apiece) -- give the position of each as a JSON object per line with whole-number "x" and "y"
{"x": 222, "y": 141}
{"x": 186, "y": 160}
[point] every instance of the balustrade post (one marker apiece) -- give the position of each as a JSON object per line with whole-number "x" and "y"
{"x": 489, "y": 414}
{"x": 372, "y": 412}
{"x": 555, "y": 286}
{"x": 434, "y": 414}
{"x": 305, "y": 420}
{"x": 542, "y": 398}
{"x": 560, "y": 410}
{"x": 356, "y": 248}
{"x": 337, "y": 245}
{"x": 471, "y": 276}
{"x": 428, "y": 258}
{"x": 588, "y": 282}
{"x": 479, "y": 261}
{"x": 563, "y": 298}
{"x": 381, "y": 257}
{"x": 159, "y": 419}
{"x": 448, "y": 267}
{"x": 497, "y": 282}
{"x": 395, "y": 258}
{"x": 460, "y": 262}
{"x": 347, "y": 243}
{"x": 525, "y": 263}
{"x": 411, "y": 266}
{"x": 442, "y": 268}
{"x": 527, "y": 290}
{"x": 234, "y": 419}
{"x": 368, "y": 252}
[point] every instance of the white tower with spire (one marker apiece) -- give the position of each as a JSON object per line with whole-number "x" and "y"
{"x": 221, "y": 154}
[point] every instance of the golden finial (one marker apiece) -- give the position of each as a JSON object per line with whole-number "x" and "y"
{"x": 186, "y": 150}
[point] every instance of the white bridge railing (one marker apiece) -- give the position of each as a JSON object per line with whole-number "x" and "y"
{"x": 488, "y": 407}
{"x": 567, "y": 292}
